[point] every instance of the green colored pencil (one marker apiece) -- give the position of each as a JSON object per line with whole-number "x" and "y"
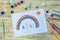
{"x": 3, "y": 27}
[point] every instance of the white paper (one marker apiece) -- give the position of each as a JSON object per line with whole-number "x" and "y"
{"x": 29, "y": 22}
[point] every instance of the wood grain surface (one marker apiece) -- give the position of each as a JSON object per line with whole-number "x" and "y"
{"x": 9, "y": 35}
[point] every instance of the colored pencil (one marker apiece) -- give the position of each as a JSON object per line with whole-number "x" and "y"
{"x": 54, "y": 27}
{"x": 53, "y": 12}
{"x": 57, "y": 25}
{"x": 3, "y": 27}
{"x": 53, "y": 32}
{"x": 57, "y": 15}
{"x": 56, "y": 11}
{"x": 55, "y": 18}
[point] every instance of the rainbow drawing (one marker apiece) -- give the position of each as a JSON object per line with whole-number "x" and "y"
{"x": 27, "y": 23}
{"x": 27, "y": 17}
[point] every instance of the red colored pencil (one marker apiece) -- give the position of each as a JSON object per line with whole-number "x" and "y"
{"x": 55, "y": 18}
